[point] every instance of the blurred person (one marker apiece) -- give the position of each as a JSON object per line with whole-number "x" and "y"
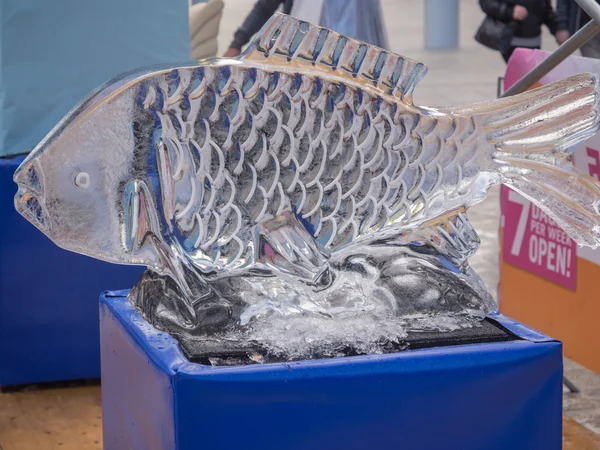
{"x": 523, "y": 20}
{"x": 259, "y": 15}
{"x": 359, "y": 19}
{"x": 570, "y": 17}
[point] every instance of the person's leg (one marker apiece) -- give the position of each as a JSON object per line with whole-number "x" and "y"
{"x": 506, "y": 54}
{"x": 591, "y": 49}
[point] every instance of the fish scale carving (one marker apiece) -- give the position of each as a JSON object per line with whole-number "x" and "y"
{"x": 346, "y": 161}
{"x": 227, "y": 178}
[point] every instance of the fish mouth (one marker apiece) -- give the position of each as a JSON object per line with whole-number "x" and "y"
{"x": 29, "y": 206}
{"x": 29, "y": 197}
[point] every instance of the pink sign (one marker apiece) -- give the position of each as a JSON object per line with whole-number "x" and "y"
{"x": 594, "y": 162}
{"x": 534, "y": 242}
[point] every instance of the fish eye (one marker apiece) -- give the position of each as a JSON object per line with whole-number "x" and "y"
{"x": 82, "y": 180}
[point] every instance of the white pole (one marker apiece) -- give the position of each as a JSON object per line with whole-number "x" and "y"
{"x": 441, "y": 24}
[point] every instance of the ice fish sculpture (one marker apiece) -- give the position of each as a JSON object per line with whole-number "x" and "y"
{"x": 297, "y": 190}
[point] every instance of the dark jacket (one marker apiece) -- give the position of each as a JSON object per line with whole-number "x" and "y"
{"x": 540, "y": 13}
{"x": 261, "y": 12}
{"x": 570, "y": 16}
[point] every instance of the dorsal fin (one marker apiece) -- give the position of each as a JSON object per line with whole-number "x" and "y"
{"x": 286, "y": 40}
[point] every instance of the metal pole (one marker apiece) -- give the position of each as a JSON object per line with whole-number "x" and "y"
{"x": 570, "y": 386}
{"x": 441, "y": 24}
{"x": 592, "y": 8}
{"x": 560, "y": 54}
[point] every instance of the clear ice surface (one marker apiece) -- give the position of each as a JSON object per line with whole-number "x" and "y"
{"x": 294, "y": 202}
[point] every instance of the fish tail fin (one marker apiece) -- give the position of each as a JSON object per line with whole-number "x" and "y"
{"x": 568, "y": 196}
{"x": 553, "y": 118}
{"x": 531, "y": 136}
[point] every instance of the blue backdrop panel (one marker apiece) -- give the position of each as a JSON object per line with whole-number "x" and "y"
{"x": 473, "y": 397}
{"x": 54, "y": 52}
{"x": 2, "y": 133}
{"x": 48, "y": 300}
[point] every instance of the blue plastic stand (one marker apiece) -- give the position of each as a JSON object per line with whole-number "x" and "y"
{"x": 472, "y": 397}
{"x": 48, "y": 300}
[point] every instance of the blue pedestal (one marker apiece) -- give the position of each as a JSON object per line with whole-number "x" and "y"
{"x": 504, "y": 395}
{"x": 48, "y": 300}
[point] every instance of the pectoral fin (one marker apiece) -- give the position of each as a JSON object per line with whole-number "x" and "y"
{"x": 140, "y": 215}
{"x": 283, "y": 244}
{"x": 451, "y": 235}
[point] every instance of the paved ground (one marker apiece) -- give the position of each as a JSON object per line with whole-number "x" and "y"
{"x": 584, "y": 407}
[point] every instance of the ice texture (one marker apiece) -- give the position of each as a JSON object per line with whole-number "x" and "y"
{"x": 294, "y": 202}
{"x": 377, "y": 295}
